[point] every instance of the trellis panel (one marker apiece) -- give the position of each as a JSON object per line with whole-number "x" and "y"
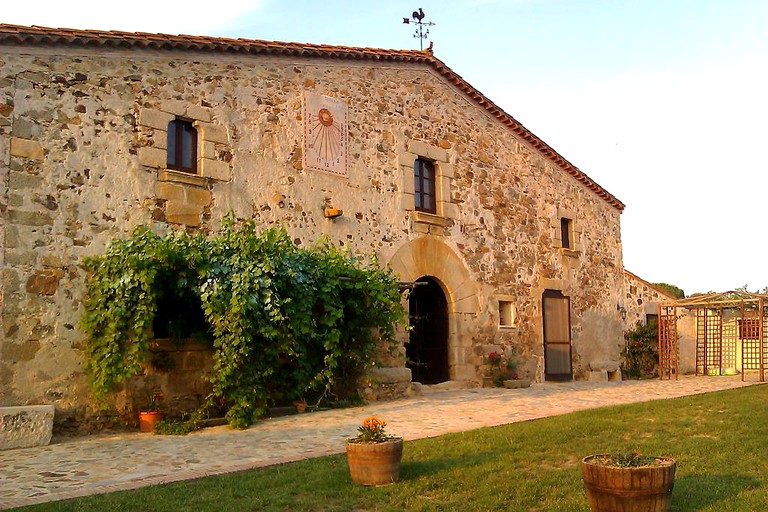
{"x": 668, "y": 343}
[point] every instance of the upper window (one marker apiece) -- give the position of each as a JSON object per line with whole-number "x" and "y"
{"x": 182, "y": 146}
{"x": 424, "y": 186}
{"x": 566, "y": 233}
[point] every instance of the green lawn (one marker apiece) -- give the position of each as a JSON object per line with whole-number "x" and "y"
{"x": 720, "y": 441}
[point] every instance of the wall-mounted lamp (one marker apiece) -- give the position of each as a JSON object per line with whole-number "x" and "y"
{"x": 332, "y": 213}
{"x": 622, "y": 311}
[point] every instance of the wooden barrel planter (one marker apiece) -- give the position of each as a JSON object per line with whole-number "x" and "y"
{"x": 628, "y": 489}
{"x": 375, "y": 463}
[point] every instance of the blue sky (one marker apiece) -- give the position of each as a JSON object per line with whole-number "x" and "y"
{"x": 661, "y": 102}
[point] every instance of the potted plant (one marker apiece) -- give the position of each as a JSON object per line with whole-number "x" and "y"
{"x": 150, "y": 413}
{"x": 373, "y": 456}
{"x": 503, "y": 371}
{"x": 628, "y": 482}
{"x": 300, "y": 405}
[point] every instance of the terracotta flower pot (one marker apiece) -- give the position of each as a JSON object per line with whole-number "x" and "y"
{"x": 628, "y": 489}
{"x": 147, "y": 420}
{"x": 300, "y": 405}
{"x": 375, "y": 463}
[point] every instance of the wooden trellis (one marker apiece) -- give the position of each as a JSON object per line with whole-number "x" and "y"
{"x": 731, "y": 334}
{"x": 668, "y": 343}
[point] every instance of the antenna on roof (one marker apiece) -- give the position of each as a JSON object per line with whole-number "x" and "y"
{"x": 421, "y": 32}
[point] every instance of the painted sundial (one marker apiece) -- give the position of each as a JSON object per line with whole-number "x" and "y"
{"x": 325, "y": 134}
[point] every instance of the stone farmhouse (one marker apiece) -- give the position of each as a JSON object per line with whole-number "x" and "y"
{"x": 383, "y": 151}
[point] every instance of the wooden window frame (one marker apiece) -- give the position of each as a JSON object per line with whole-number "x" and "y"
{"x": 424, "y": 172}
{"x": 566, "y": 233}
{"x": 507, "y": 314}
{"x": 179, "y": 128}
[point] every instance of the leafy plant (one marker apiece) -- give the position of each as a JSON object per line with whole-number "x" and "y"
{"x": 627, "y": 460}
{"x": 154, "y": 398}
{"x": 641, "y": 351}
{"x": 285, "y": 322}
{"x": 174, "y": 427}
{"x": 502, "y": 367}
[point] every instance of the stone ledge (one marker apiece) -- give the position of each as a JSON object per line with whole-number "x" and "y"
{"x": 611, "y": 366}
{"x": 390, "y": 375}
{"x": 429, "y": 218}
{"x": 186, "y": 178}
{"x": 25, "y": 426}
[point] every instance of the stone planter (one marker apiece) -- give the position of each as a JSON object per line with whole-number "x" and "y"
{"x": 628, "y": 489}
{"x": 375, "y": 463}
{"x": 517, "y": 383}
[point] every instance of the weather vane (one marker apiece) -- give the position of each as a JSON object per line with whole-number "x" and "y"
{"x": 422, "y": 31}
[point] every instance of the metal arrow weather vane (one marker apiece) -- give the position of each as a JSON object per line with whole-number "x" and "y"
{"x": 422, "y": 30}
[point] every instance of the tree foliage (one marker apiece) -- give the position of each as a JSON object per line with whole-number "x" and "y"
{"x": 284, "y": 321}
{"x": 671, "y": 289}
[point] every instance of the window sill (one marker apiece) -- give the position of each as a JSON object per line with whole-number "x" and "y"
{"x": 181, "y": 177}
{"x": 571, "y": 253}
{"x": 429, "y": 218}
{"x": 508, "y": 327}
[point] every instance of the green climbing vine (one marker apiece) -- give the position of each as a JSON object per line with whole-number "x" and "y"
{"x": 284, "y": 321}
{"x": 640, "y": 355}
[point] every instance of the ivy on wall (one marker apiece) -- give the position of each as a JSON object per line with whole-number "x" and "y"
{"x": 285, "y": 321}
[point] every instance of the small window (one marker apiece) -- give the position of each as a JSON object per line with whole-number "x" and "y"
{"x": 424, "y": 186}
{"x": 506, "y": 314}
{"x": 566, "y": 233}
{"x": 182, "y": 146}
{"x": 651, "y": 319}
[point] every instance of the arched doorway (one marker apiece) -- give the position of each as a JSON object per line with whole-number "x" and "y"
{"x": 427, "y": 350}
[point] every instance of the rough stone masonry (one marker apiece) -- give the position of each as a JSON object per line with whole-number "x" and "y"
{"x": 83, "y": 139}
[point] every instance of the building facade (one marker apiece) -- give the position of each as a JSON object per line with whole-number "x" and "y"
{"x": 381, "y": 151}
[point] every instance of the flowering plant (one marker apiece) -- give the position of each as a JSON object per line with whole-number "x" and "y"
{"x": 371, "y": 431}
{"x": 640, "y": 354}
{"x": 501, "y": 367}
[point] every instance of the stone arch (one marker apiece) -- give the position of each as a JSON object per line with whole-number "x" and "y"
{"x": 430, "y": 257}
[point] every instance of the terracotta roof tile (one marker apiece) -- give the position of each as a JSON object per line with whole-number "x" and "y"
{"x": 45, "y": 36}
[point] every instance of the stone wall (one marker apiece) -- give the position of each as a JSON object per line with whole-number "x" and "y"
{"x": 83, "y": 140}
{"x": 642, "y": 298}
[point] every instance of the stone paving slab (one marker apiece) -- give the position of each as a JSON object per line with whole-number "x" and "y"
{"x": 99, "y": 464}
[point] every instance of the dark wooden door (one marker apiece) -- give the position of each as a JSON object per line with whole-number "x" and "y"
{"x": 427, "y": 350}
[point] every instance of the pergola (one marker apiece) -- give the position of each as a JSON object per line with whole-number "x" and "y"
{"x": 731, "y": 334}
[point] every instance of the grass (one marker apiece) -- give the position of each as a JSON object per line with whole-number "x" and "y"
{"x": 720, "y": 441}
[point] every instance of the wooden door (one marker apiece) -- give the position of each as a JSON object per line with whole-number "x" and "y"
{"x": 556, "y": 318}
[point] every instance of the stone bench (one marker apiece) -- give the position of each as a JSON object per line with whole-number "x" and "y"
{"x": 25, "y": 426}
{"x": 604, "y": 371}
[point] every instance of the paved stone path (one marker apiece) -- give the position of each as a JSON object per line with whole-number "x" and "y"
{"x": 82, "y": 466}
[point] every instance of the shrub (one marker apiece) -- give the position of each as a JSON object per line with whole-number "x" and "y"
{"x": 284, "y": 321}
{"x": 641, "y": 351}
